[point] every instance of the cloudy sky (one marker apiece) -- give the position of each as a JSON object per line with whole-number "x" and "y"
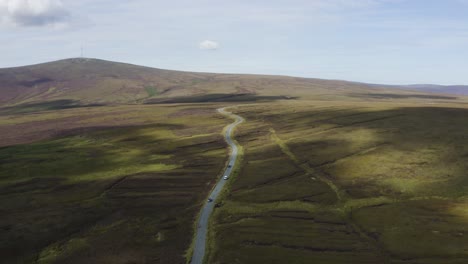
{"x": 379, "y": 41}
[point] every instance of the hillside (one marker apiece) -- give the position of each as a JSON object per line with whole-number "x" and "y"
{"x": 448, "y": 89}
{"x": 88, "y": 81}
{"x": 75, "y": 81}
{"x": 329, "y": 171}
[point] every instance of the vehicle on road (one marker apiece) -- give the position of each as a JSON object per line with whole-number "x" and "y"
{"x": 201, "y": 237}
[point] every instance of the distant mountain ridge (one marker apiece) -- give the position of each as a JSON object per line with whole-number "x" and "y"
{"x": 444, "y": 89}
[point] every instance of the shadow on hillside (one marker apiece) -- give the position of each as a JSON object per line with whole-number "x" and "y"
{"x": 218, "y": 98}
{"x": 119, "y": 199}
{"x": 44, "y": 106}
{"x": 402, "y": 96}
{"x": 370, "y": 153}
{"x": 66, "y": 154}
{"x": 36, "y": 82}
{"x": 124, "y": 129}
{"x": 423, "y": 147}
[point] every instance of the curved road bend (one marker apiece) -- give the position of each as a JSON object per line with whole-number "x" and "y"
{"x": 200, "y": 239}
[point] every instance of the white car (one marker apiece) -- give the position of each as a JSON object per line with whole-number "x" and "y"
{"x": 225, "y": 177}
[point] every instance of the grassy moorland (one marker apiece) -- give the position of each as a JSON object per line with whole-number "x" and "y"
{"x": 339, "y": 182}
{"x": 118, "y": 184}
{"x": 104, "y": 162}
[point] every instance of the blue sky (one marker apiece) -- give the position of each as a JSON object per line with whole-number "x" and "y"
{"x": 378, "y": 41}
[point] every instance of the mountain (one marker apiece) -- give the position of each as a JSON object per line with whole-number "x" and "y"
{"x": 88, "y": 81}
{"x": 442, "y": 89}
{"x": 92, "y": 81}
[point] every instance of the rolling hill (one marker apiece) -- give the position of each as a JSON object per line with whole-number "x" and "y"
{"x": 87, "y": 81}
{"x": 79, "y": 81}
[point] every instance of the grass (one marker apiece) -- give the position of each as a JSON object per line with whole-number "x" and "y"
{"x": 417, "y": 229}
{"x": 151, "y": 91}
{"x": 64, "y": 159}
{"x": 332, "y": 171}
{"x": 73, "y": 196}
{"x": 318, "y": 183}
{"x": 379, "y": 179}
{"x": 398, "y": 171}
{"x": 211, "y": 236}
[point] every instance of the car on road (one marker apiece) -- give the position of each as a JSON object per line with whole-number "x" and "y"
{"x": 210, "y": 200}
{"x": 225, "y": 177}
{"x": 229, "y": 166}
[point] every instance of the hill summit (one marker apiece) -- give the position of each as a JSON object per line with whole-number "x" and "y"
{"x": 94, "y": 81}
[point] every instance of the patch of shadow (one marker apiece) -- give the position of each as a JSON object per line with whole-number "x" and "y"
{"x": 44, "y": 106}
{"x": 244, "y": 97}
{"x": 402, "y": 96}
{"x": 123, "y": 129}
{"x": 36, "y": 82}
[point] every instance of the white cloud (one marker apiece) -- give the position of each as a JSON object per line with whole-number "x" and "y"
{"x": 209, "y": 45}
{"x": 32, "y": 12}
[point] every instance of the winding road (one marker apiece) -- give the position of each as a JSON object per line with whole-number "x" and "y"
{"x": 200, "y": 238}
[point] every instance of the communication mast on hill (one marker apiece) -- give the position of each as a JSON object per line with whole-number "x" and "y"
{"x": 81, "y": 54}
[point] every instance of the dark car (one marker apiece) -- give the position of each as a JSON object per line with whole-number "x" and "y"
{"x": 210, "y": 200}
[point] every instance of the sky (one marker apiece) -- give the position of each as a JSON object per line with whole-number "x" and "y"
{"x": 374, "y": 41}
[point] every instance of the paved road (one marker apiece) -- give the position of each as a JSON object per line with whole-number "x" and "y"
{"x": 200, "y": 239}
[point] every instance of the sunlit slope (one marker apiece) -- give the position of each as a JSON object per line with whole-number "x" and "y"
{"x": 339, "y": 182}
{"x": 92, "y": 81}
